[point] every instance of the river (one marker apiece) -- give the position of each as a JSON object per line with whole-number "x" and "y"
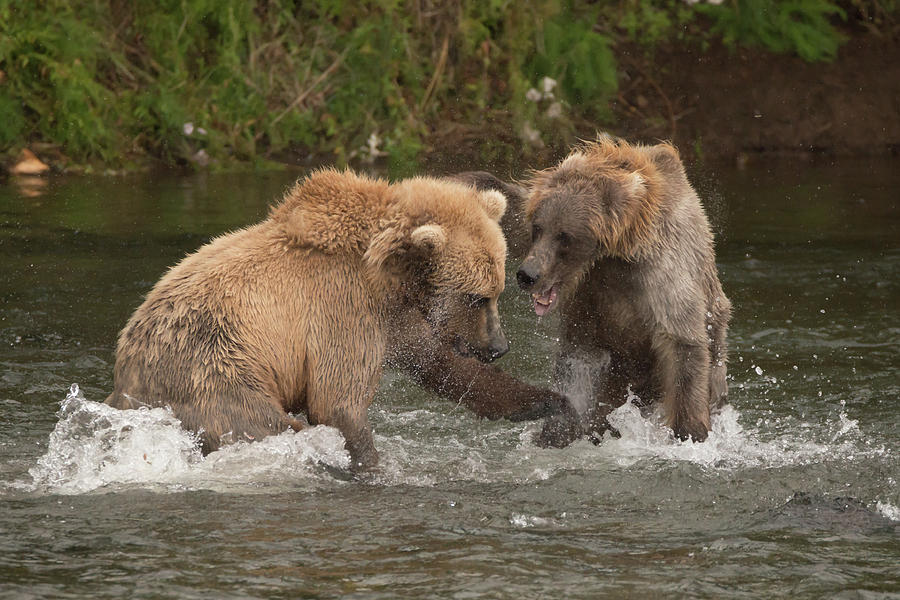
{"x": 795, "y": 493}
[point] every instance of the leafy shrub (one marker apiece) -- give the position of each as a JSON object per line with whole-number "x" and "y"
{"x": 228, "y": 82}
{"x": 800, "y": 26}
{"x": 572, "y": 53}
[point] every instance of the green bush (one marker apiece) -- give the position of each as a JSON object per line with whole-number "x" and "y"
{"x": 800, "y": 26}
{"x": 235, "y": 82}
{"x": 572, "y": 53}
{"x": 52, "y": 59}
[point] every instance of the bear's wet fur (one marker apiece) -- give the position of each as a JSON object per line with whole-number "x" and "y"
{"x": 622, "y": 245}
{"x": 297, "y": 313}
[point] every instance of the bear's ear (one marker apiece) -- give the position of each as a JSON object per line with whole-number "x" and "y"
{"x": 666, "y": 158}
{"x": 384, "y": 245}
{"x": 494, "y": 203}
{"x": 634, "y": 184}
{"x": 387, "y": 247}
{"x": 429, "y": 238}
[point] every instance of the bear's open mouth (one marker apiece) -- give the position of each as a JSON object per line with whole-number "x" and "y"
{"x": 544, "y": 302}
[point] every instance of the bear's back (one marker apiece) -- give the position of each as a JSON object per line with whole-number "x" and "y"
{"x": 333, "y": 211}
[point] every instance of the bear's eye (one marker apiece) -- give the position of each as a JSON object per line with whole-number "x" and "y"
{"x": 564, "y": 240}
{"x": 475, "y": 301}
{"x": 536, "y": 232}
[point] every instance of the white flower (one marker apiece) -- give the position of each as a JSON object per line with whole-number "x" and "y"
{"x": 370, "y": 151}
{"x": 554, "y": 111}
{"x": 373, "y": 142}
{"x": 548, "y": 84}
{"x": 532, "y": 135}
{"x": 201, "y": 157}
{"x": 533, "y": 95}
{"x": 188, "y": 128}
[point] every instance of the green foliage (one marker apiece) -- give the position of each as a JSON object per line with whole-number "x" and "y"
{"x": 580, "y": 59}
{"x": 50, "y": 59}
{"x": 12, "y": 125}
{"x": 800, "y": 26}
{"x": 228, "y": 82}
{"x": 650, "y": 23}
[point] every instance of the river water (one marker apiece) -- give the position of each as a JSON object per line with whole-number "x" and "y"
{"x": 795, "y": 494}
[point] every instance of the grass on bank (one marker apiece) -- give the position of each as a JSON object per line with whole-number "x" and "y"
{"x": 223, "y": 83}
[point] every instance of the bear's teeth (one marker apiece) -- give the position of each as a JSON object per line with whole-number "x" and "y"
{"x": 543, "y": 302}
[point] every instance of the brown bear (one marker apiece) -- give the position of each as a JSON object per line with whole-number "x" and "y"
{"x": 296, "y": 314}
{"x": 621, "y": 244}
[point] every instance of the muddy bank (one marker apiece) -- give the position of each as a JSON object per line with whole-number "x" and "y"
{"x": 727, "y": 103}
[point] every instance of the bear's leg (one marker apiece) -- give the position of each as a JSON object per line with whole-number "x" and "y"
{"x": 718, "y": 350}
{"x": 345, "y": 348}
{"x": 353, "y": 423}
{"x": 121, "y": 401}
{"x": 354, "y": 426}
{"x": 232, "y": 414}
{"x": 484, "y": 389}
{"x": 584, "y": 378}
{"x": 340, "y": 398}
{"x": 682, "y": 374}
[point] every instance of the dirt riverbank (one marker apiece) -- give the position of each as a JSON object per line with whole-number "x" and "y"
{"x": 728, "y": 103}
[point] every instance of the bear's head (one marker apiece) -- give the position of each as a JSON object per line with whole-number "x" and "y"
{"x": 603, "y": 199}
{"x": 443, "y": 249}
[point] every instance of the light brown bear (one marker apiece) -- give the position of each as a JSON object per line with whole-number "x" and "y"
{"x": 484, "y": 389}
{"x": 296, "y": 314}
{"x": 621, "y": 244}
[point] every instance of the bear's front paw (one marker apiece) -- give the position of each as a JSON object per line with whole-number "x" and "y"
{"x": 559, "y": 431}
{"x": 558, "y": 405}
{"x": 599, "y": 425}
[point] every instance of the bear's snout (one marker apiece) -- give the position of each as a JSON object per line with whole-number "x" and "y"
{"x": 527, "y": 276}
{"x": 496, "y": 343}
{"x": 499, "y": 346}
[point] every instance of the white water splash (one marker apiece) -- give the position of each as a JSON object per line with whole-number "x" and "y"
{"x": 94, "y": 445}
{"x": 507, "y": 452}
{"x": 729, "y": 445}
{"x": 888, "y": 510}
{"x": 847, "y": 425}
{"x": 577, "y": 374}
{"x": 527, "y": 521}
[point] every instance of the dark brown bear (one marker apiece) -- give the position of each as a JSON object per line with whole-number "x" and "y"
{"x": 621, "y": 244}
